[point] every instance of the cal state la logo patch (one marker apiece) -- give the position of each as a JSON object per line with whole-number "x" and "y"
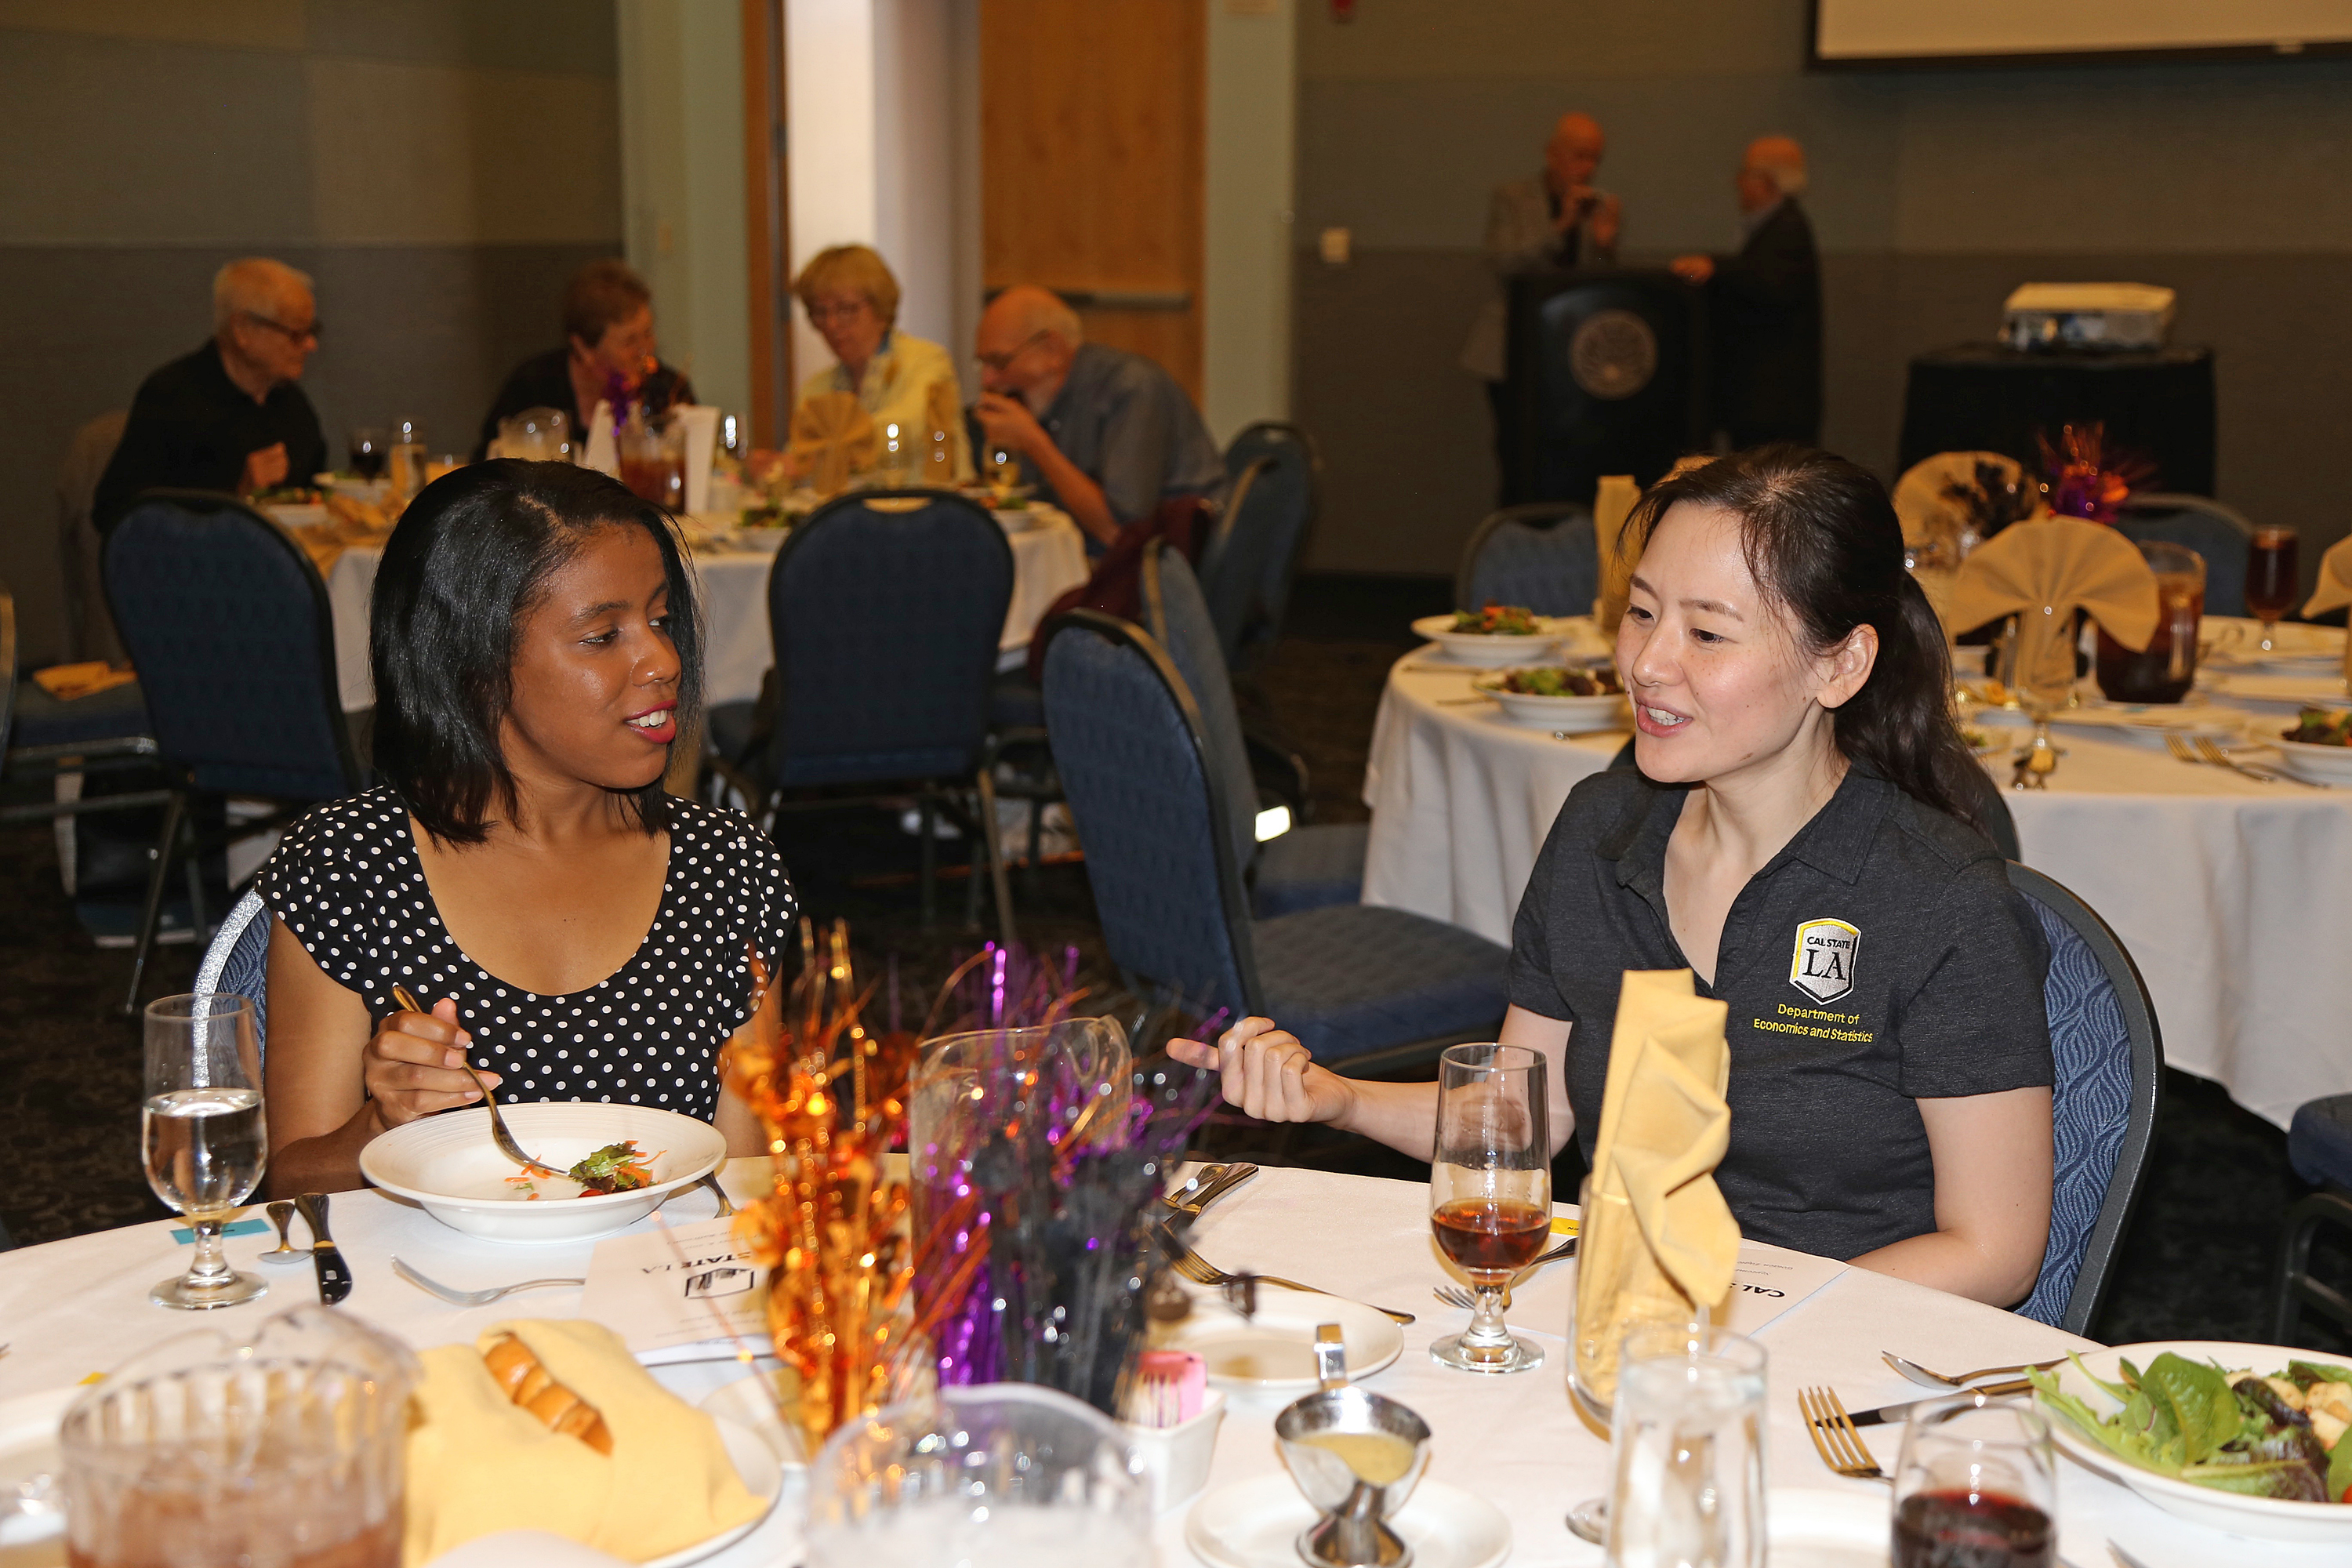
{"x": 1823, "y": 965}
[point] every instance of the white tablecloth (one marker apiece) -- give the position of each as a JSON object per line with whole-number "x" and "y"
{"x": 76, "y": 1307}
{"x": 2234, "y": 897}
{"x": 1049, "y": 558}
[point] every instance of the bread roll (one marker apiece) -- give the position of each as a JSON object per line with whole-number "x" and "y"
{"x": 529, "y": 1385}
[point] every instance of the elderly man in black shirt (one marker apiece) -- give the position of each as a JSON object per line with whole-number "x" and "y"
{"x": 1766, "y": 302}
{"x": 228, "y": 416}
{"x": 1107, "y": 433}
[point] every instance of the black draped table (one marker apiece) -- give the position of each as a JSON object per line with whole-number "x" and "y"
{"x": 1986, "y": 397}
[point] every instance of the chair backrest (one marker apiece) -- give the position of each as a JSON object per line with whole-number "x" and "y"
{"x": 1152, "y": 812}
{"x": 2215, "y": 532}
{"x": 1295, "y": 482}
{"x": 1541, "y": 555}
{"x": 2110, "y": 1075}
{"x": 886, "y": 609}
{"x": 89, "y": 629}
{"x": 237, "y": 960}
{"x": 1233, "y": 567}
{"x": 1176, "y": 613}
{"x": 229, "y": 625}
{"x": 7, "y": 664}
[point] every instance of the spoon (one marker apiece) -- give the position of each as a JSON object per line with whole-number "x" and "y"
{"x": 281, "y": 1214}
{"x": 498, "y": 1133}
{"x": 1926, "y": 1379}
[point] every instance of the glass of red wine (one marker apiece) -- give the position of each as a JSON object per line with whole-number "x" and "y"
{"x": 371, "y": 452}
{"x": 1490, "y": 1191}
{"x": 2271, "y": 578}
{"x": 1976, "y": 1487}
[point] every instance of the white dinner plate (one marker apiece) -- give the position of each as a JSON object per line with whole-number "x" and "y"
{"x": 1274, "y": 1352}
{"x": 2270, "y": 1519}
{"x": 747, "y": 1404}
{"x": 1808, "y": 1529}
{"x": 761, "y": 1468}
{"x": 297, "y": 513}
{"x": 1490, "y": 650}
{"x": 2294, "y": 646}
{"x": 448, "y": 1164}
{"x": 1255, "y": 1524}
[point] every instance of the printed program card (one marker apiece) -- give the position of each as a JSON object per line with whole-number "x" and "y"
{"x": 673, "y": 1286}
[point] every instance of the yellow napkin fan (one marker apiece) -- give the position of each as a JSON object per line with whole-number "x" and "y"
{"x": 832, "y": 437}
{"x": 1659, "y": 1242}
{"x": 2042, "y": 572}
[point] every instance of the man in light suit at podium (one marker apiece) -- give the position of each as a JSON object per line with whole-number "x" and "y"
{"x": 1558, "y": 219}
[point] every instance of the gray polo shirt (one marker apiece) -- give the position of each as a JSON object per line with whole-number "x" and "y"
{"x": 1881, "y": 958}
{"x": 1126, "y": 425}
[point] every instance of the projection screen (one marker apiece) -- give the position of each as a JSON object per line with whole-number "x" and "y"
{"x": 1857, "y": 32}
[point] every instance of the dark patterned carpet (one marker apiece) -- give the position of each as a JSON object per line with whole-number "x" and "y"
{"x": 2196, "y": 1264}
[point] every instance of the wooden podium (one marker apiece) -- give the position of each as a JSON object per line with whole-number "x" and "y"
{"x": 1607, "y": 374}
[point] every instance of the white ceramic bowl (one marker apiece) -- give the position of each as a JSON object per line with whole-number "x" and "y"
{"x": 2268, "y": 1519}
{"x": 766, "y": 540}
{"x": 1490, "y": 650}
{"x": 2320, "y": 764}
{"x": 448, "y": 1164}
{"x": 1562, "y": 715}
{"x": 297, "y": 514}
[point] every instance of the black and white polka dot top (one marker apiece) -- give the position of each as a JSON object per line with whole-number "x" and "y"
{"x": 348, "y": 884}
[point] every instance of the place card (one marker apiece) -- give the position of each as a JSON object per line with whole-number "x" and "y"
{"x": 679, "y": 1285}
{"x": 1769, "y": 1280}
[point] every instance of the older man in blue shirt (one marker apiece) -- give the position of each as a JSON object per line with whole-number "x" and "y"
{"x": 1107, "y": 434}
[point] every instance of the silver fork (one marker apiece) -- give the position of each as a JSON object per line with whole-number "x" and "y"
{"x": 2179, "y": 749}
{"x": 2210, "y": 749}
{"x": 1200, "y": 1271}
{"x": 498, "y": 1133}
{"x": 1834, "y": 1438}
{"x": 1455, "y": 1296}
{"x": 458, "y": 1298}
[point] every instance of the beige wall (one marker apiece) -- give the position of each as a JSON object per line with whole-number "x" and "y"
{"x": 439, "y": 165}
{"x": 1934, "y": 192}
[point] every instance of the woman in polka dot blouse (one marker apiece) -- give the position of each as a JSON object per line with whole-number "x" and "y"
{"x": 578, "y": 931}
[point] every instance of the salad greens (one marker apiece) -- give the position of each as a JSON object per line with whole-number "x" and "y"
{"x": 2286, "y": 1437}
{"x": 615, "y": 1168}
{"x": 2322, "y": 727}
{"x": 1598, "y": 681}
{"x": 1497, "y": 620}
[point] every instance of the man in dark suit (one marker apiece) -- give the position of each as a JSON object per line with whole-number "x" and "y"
{"x": 1766, "y": 306}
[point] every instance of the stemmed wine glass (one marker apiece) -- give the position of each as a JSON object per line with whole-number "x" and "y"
{"x": 1490, "y": 1191}
{"x": 1976, "y": 1483}
{"x": 202, "y": 1133}
{"x": 2271, "y": 579}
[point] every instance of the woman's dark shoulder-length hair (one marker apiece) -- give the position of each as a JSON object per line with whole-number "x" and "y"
{"x": 460, "y": 574}
{"x": 1824, "y": 544}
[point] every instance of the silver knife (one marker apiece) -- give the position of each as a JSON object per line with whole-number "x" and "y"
{"x": 334, "y": 1275}
{"x": 1889, "y": 1414}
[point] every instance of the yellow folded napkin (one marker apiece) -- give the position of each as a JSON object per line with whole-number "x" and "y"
{"x": 1611, "y": 504}
{"x": 2334, "y": 589}
{"x": 1929, "y": 515}
{"x": 479, "y": 1463}
{"x": 832, "y": 437}
{"x": 66, "y": 682}
{"x": 2041, "y": 571}
{"x": 1659, "y": 1241}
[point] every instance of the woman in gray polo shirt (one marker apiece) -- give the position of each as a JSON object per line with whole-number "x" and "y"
{"x": 1798, "y": 837}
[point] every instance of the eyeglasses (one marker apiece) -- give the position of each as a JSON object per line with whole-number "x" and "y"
{"x": 998, "y": 363}
{"x": 819, "y": 315}
{"x": 291, "y": 334}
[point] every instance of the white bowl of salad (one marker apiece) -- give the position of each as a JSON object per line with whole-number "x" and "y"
{"x": 1490, "y": 638}
{"x": 2253, "y": 1439}
{"x": 607, "y": 1167}
{"x": 1565, "y": 702}
{"x": 2318, "y": 749}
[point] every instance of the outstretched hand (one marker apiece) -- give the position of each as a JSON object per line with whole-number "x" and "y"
{"x": 1268, "y": 1074}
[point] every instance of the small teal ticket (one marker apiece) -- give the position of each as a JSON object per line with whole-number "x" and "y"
{"x": 186, "y": 1236}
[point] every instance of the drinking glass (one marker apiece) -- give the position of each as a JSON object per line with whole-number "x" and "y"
{"x": 287, "y": 1450}
{"x": 535, "y": 436}
{"x": 1976, "y": 1484}
{"x": 2271, "y": 578}
{"x": 1004, "y": 469}
{"x": 1003, "y": 1476}
{"x": 201, "y": 1130}
{"x": 1490, "y": 1191}
{"x": 2167, "y": 667}
{"x": 652, "y": 462}
{"x": 371, "y": 450}
{"x": 1686, "y": 1442}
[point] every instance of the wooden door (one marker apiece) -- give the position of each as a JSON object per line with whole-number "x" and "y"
{"x": 1092, "y": 118}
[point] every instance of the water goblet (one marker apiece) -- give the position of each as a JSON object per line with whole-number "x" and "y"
{"x": 1490, "y": 1191}
{"x": 1686, "y": 1442}
{"x": 202, "y": 1133}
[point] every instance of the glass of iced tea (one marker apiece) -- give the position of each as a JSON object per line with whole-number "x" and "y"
{"x": 2167, "y": 667}
{"x": 1977, "y": 1485}
{"x": 2271, "y": 578}
{"x": 1490, "y": 1191}
{"x": 285, "y": 1450}
{"x": 652, "y": 462}
{"x": 201, "y": 1131}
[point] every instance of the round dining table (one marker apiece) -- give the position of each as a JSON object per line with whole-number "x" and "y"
{"x": 75, "y": 1308}
{"x": 2232, "y": 894}
{"x": 1049, "y": 558}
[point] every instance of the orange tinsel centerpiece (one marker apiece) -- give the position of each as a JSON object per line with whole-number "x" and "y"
{"x": 831, "y": 1097}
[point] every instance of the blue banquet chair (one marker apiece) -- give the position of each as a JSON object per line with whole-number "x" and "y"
{"x": 238, "y": 962}
{"x": 1540, "y": 555}
{"x": 1366, "y": 989}
{"x": 2319, "y": 1147}
{"x": 42, "y": 738}
{"x": 2110, "y": 1080}
{"x": 228, "y": 623}
{"x": 1288, "y": 490}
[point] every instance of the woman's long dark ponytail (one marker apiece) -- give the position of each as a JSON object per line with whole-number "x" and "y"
{"x": 1823, "y": 542}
